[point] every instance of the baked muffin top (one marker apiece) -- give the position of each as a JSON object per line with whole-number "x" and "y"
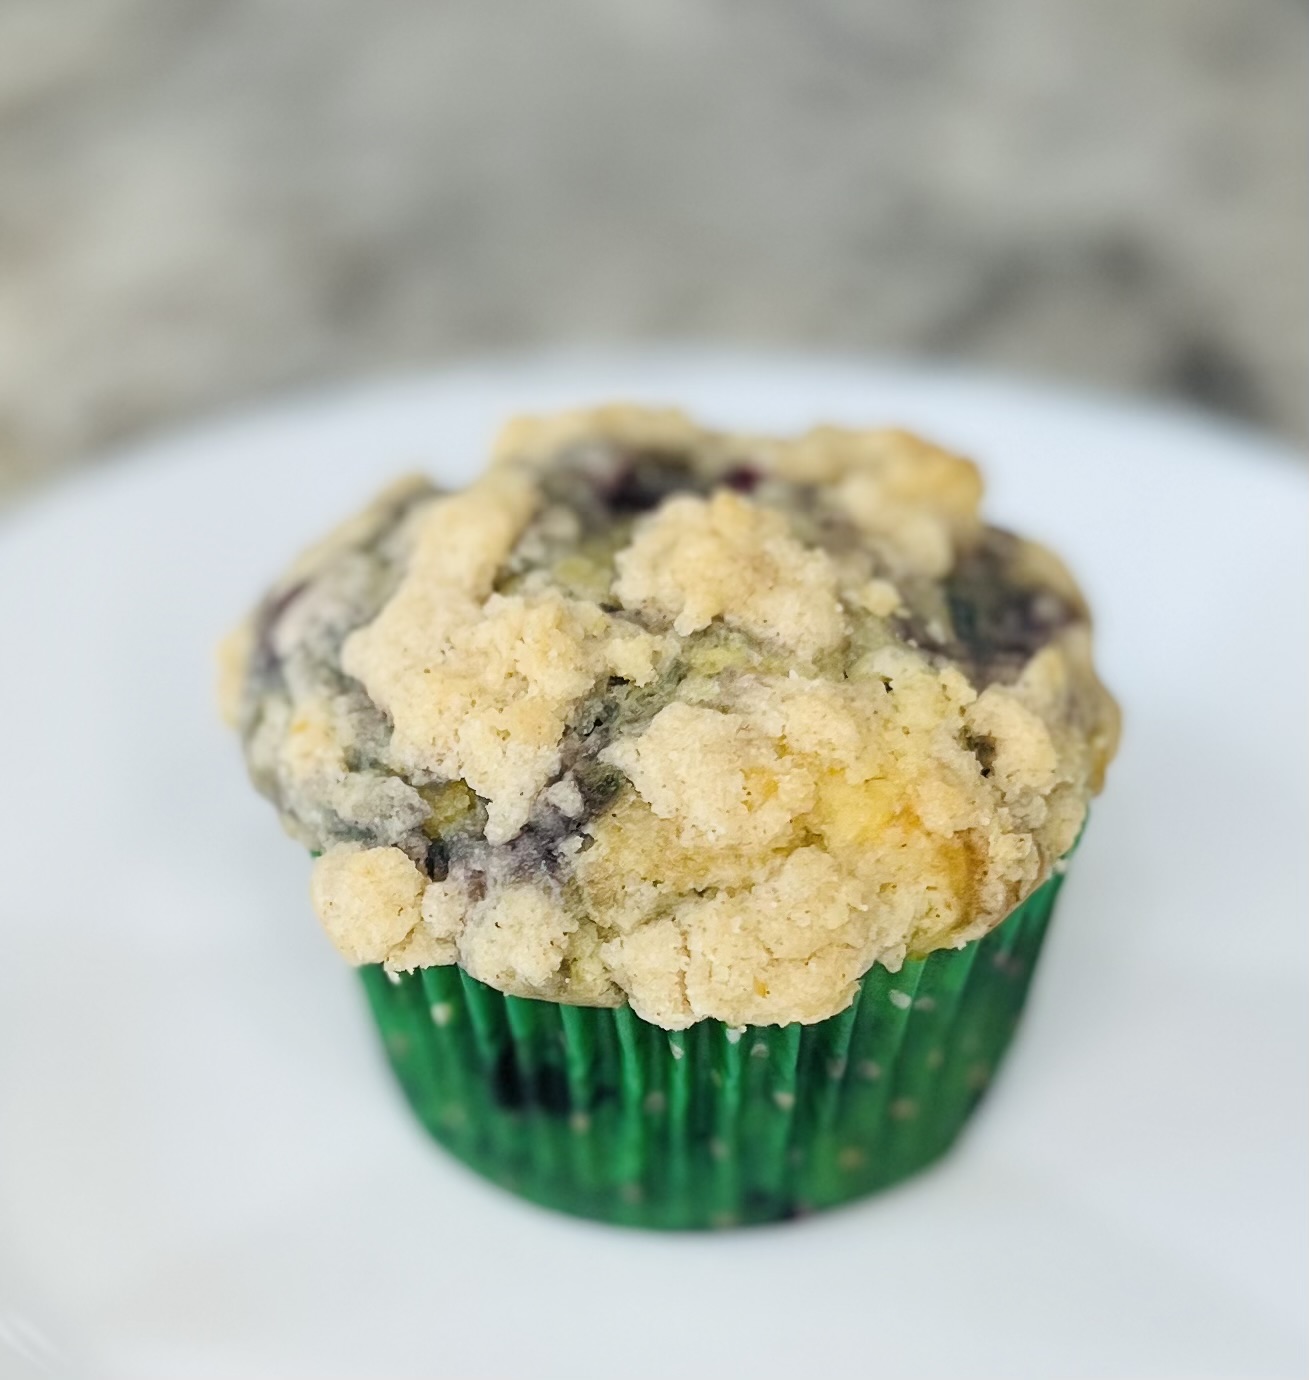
{"x": 706, "y": 723}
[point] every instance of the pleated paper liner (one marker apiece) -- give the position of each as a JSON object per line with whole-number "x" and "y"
{"x": 598, "y": 1113}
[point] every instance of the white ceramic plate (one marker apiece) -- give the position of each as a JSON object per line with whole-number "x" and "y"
{"x": 206, "y": 1172}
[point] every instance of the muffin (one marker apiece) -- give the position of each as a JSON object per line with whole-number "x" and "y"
{"x": 692, "y": 804}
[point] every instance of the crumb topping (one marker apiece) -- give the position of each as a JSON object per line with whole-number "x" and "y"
{"x": 700, "y": 722}
{"x": 697, "y": 559}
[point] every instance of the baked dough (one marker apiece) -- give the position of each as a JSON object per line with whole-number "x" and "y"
{"x": 655, "y": 714}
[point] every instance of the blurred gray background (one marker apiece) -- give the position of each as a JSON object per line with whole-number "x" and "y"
{"x": 205, "y": 204}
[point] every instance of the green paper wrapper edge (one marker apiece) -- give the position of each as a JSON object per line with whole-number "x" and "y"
{"x": 595, "y": 1112}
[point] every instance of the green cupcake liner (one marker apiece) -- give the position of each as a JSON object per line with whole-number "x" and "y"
{"x": 598, "y": 1113}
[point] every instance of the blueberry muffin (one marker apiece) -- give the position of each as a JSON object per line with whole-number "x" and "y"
{"x": 693, "y": 804}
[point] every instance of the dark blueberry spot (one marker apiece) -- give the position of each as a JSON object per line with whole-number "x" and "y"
{"x": 598, "y": 784}
{"x": 476, "y": 886}
{"x": 596, "y": 713}
{"x": 998, "y": 620}
{"x": 551, "y": 825}
{"x": 533, "y": 854}
{"x": 743, "y": 478}
{"x": 644, "y": 478}
{"x": 995, "y": 618}
{"x": 437, "y": 860}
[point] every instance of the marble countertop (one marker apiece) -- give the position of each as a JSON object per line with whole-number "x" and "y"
{"x": 205, "y": 205}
